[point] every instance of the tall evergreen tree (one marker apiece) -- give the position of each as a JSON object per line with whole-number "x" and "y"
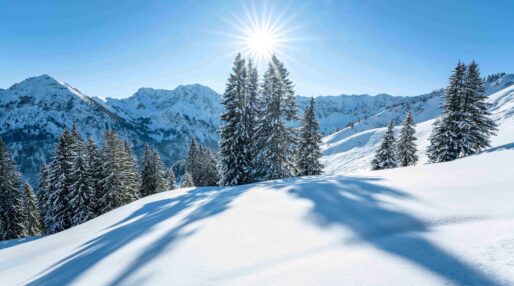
{"x": 209, "y": 173}
{"x": 275, "y": 139}
{"x": 385, "y": 156}
{"x": 115, "y": 190}
{"x": 147, "y": 183}
{"x": 42, "y": 195}
{"x": 12, "y": 214}
{"x": 94, "y": 169}
{"x": 82, "y": 193}
{"x": 131, "y": 174}
{"x": 446, "y": 137}
{"x": 161, "y": 185}
{"x": 60, "y": 180}
{"x": 475, "y": 125}
{"x": 171, "y": 178}
{"x": 309, "y": 150}
{"x": 194, "y": 162}
{"x": 32, "y": 215}
{"x": 406, "y": 147}
{"x": 235, "y": 148}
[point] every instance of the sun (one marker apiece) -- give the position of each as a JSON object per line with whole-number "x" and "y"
{"x": 261, "y": 43}
{"x": 261, "y": 34}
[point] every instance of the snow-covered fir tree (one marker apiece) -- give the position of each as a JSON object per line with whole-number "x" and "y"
{"x": 406, "y": 146}
{"x": 475, "y": 125}
{"x": 309, "y": 149}
{"x": 57, "y": 213}
{"x": 115, "y": 190}
{"x": 94, "y": 168}
{"x": 152, "y": 174}
{"x": 132, "y": 177}
{"x": 275, "y": 139}
{"x": 253, "y": 111}
{"x": 209, "y": 173}
{"x": 171, "y": 178}
{"x": 187, "y": 181}
{"x": 234, "y": 144}
{"x": 161, "y": 184}
{"x": 193, "y": 161}
{"x": 446, "y": 135}
{"x": 82, "y": 196}
{"x": 33, "y": 217}
{"x": 42, "y": 195}
{"x": 12, "y": 213}
{"x": 385, "y": 157}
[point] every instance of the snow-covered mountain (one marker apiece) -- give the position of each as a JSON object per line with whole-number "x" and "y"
{"x": 393, "y": 227}
{"x": 34, "y": 112}
{"x": 352, "y": 149}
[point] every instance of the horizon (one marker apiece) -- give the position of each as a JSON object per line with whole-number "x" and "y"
{"x": 328, "y": 48}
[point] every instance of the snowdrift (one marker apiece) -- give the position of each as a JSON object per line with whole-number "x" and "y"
{"x": 449, "y": 223}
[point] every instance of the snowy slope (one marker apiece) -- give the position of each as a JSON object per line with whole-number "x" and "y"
{"x": 395, "y": 227}
{"x": 352, "y": 149}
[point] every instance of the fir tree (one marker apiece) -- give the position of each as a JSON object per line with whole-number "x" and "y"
{"x": 33, "y": 217}
{"x": 275, "y": 139}
{"x": 132, "y": 177}
{"x": 94, "y": 169}
{"x": 187, "y": 181}
{"x": 446, "y": 137}
{"x": 209, "y": 173}
{"x": 58, "y": 212}
{"x": 235, "y": 160}
{"x": 406, "y": 147}
{"x": 12, "y": 214}
{"x": 42, "y": 195}
{"x": 161, "y": 185}
{"x": 385, "y": 156}
{"x": 171, "y": 178}
{"x": 194, "y": 162}
{"x": 82, "y": 194}
{"x": 147, "y": 183}
{"x": 475, "y": 125}
{"x": 309, "y": 150}
{"x": 116, "y": 191}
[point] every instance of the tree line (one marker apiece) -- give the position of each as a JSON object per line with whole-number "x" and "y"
{"x": 463, "y": 129}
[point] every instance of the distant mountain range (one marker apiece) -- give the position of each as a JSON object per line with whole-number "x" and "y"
{"x": 34, "y": 112}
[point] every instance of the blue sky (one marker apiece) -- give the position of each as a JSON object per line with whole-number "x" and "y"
{"x": 111, "y": 48}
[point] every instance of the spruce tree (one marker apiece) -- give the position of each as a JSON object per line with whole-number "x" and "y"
{"x": 275, "y": 139}
{"x": 385, "y": 156}
{"x": 235, "y": 160}
{"x": 194, "y": 162}
{"x": 94, "y": 169}
{"x": 82, "y": 193}
{"x": 475, "y": 125}
{"x": 187, "y": 181}
{"x": 33, "y": 217}
{"x": 42, "y": 195}
{"x": 147, "y": 183}
{"x": 117, "y": 188}
{"x": 406, "y": 147}
{"x": 131, "y": 175}
{"x": 60, "y": 180}
{"x": 309, "y": 150}
{"x": 209, "y": 173}
{"x": 161, "y": 185}
{"x": 446, "y": 137}
{"x": 12, "y": 214}
{"x": 171, "y": 178}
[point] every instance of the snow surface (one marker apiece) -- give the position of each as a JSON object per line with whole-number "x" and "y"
{"x": 421, "y": 225}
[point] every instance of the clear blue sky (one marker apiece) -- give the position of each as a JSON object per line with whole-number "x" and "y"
{"x": 111, "y": 48}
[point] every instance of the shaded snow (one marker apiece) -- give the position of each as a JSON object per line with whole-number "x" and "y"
{"x": 421, "y": 225}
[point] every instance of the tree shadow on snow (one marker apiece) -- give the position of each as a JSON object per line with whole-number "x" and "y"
{"x": 356, "y": 204}
{"x": 211, "y": 201}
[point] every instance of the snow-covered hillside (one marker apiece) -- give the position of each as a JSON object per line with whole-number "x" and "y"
{"x": 395, "y": 227}
{"x": 352, "y": 149}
